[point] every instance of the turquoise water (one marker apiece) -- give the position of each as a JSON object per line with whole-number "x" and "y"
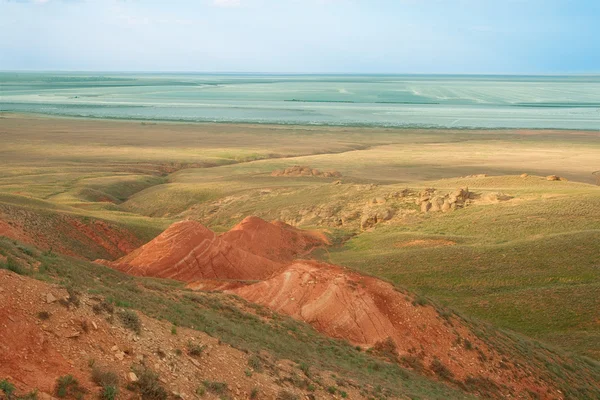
{"x": 566, "y": 102}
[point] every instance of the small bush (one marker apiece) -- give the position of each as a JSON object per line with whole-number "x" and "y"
{"x": 412, "y": 362}
{"x": 195, "y": 350}
{"x": 131, "y": 321}
{"x": 286, "y": 395}
{"x": 7, "y": 387}
{"x": 173, "y": 330}
{"x": 215, "y": 387}
{"x": 68, "y": 387}
{"x": 149, "y": 385}
{"x": 33, "y": 395}
{"x": 331, "y": 389}
{"x": 43, "y": 315}
{"x": 419, "y": 301}
{"x": 99, "y": 308}
{"x": 255, "y": 363}
{"x": 103, "y": 377}
{"x": 305, "y": 368}
{"x": 109, "y": 392}
{"x": 441, "y": 370}
{"x": 12, "y": 265}
{"x": 254, "y": 393}
{"x": 386, "y": 349}
{"x": 73, "y": 296}
{"x": 481, "y": 385}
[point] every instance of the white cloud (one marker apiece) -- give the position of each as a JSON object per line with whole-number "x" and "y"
{"x": 226, "y": 3}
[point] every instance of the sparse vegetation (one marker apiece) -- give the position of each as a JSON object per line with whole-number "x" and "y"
{"x": 43, "y": 315}
{"x": 287, "y": 395}
{"x": 255, "y": 363}
{"x": 67, "y": 387}
{"x": 195, "y": 350}
{"x": 108, "y": 381}
{"x": 7, "y": 388}
{"x": 130, "y": 320}
{"x": 12, "y": 265}
{"x": 148, "y": 384}
{"x": 441, "y": 370}
{"x": 219, "y": 388}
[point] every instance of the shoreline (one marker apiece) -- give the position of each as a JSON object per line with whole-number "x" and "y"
{"x": 279, "y": 125}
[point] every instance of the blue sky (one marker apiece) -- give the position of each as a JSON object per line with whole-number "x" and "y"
{"x": 302, "y": 36}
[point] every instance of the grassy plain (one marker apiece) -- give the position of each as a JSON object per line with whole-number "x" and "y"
{"x": 529, "y": 265}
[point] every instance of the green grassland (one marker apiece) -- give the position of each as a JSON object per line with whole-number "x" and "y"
{"x": 530, "y": 265}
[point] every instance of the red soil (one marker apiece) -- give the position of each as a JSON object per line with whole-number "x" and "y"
{"x": 34, "y": 353}
{"x": 276, "y": 241}
{"x": 368, "y": 312}
{"x": 336, "y": 301}
{"x": 188, "y": 251}
{"x": 26, "y": 353}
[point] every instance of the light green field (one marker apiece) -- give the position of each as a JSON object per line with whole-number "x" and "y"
{"x": 530, "y": 264}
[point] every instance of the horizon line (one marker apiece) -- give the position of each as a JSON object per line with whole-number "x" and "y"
{"x": 298, "y": 73}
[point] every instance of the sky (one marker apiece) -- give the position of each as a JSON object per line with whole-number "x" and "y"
{"x": 302, "y": 36}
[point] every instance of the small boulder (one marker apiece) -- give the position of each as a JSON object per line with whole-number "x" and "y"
{"x": 132, "y": 377}
{"x": 50, "y": 298}
{"x": 524, "y": 175}
{"x": 553, "y": 178}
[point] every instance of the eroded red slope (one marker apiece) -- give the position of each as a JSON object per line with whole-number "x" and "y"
{"x": 188, "y": 251}
{"x": 276, "y": 240}
{"x": 369, "y": 312}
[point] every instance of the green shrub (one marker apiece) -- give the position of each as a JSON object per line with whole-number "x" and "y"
{"x": 286, "y": 395}
{"x": 254, "y": 393}
{"x": 7, "y": 387}
{"x": 149, "y": 385}
{"x": 109, "y": 392}
{"x": 68, "y": 387}
{"x": 215, "y": 387}
{"x": 12, "y": 265}
{"x": 195, "y": 350}
{"x": 255, "y": 363}
{"x": 305, "y": 368}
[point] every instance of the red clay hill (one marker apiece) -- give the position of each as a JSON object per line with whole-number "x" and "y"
{"x": 341, "y": 303}
{"x": 189, "y": 252}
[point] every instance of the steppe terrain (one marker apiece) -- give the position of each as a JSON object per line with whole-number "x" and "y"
{"x": 171, "y": 260}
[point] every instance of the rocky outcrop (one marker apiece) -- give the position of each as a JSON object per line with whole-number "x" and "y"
{"x": 430, "y": 200}
{"x": 373, "y": 216}
{"x": 298, "y": 170}
{"x": 555, "y": 178}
